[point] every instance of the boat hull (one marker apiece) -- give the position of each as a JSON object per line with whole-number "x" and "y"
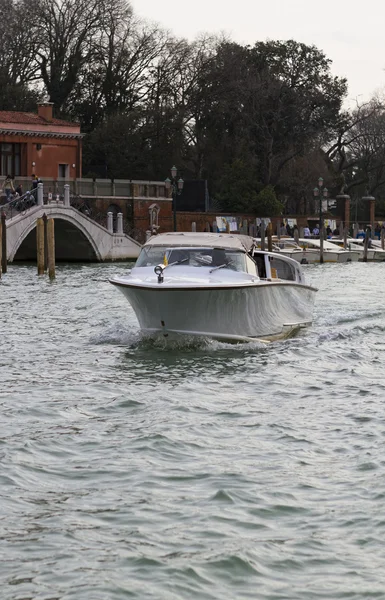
{"x": 331, "y": 257}
{"x": 234, "y": 313}
{"x": 375, "y": 255}
{"x": 312, "y": 256}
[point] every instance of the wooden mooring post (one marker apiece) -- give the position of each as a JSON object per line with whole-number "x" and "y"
{"x": 45, "y": 219}
{"x": 263, "y": 247}
{"x": 40, "y": 246}
{"x": 3, "y": 244}
{"x": 51, "y": 247}
{"x": 366, "y": 244}
{"x": 270, "y": 237}
{"x": 321, "y": 243}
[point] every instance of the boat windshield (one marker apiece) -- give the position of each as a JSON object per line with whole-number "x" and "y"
{"x": 150, "y": 256}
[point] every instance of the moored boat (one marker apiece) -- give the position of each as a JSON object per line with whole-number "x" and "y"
{"x": 331, "y": 252}
{"x": 374, "y": 252}
{"x": 218, "y": 286}
{"x": 289, "y": 247}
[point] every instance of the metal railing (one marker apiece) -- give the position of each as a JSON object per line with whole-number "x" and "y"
{"x": 123, "y": 188}
{"x": 88, "y": 209}
{"x": 20, "y": 204}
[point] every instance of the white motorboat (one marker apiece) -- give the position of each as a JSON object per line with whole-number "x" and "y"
{"x": 331, "y": 252}
{"x": 216, "y": 285}
{"x": 374, "y": 252}
{"x": 289, "y": 247}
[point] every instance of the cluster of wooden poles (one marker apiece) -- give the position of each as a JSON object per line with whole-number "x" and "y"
{"x": 45, "y": 246}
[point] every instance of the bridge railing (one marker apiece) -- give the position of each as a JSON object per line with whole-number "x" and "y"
{"x": 89, "y": 209}
{"x": 124, "y": 188}
{"x": 19, "y": 204}
{"x": 114, "y": 222}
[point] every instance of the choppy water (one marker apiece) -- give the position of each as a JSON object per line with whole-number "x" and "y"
{"x": 132, "y": 470}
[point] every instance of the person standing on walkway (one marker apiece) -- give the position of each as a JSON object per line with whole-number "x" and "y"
{"x": 8, "y": 187}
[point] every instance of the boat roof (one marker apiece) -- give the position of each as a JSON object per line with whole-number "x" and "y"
{"x": 328, "y": 244}
{"x": 202, "y": 239}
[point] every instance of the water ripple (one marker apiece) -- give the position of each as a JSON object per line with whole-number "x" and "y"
{"x": 132, "y": 468}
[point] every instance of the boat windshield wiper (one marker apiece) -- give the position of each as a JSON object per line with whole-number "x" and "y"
{"x": 177, "y": 262}
{"x": 219, "y": 267}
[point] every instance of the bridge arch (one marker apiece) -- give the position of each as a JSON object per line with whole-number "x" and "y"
{"x": 73, "y": 240}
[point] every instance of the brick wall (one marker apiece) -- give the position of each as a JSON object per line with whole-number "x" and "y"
{"x": 142, "y": 214}
{"x": 202, "y": 220}
{"x": 101, "y": 205}
{"x": 136, "y": 214}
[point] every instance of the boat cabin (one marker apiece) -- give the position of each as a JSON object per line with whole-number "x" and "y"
{"x": 217, "y": 251}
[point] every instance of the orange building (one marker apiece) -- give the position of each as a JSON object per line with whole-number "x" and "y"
{"x": 39, "y": 144}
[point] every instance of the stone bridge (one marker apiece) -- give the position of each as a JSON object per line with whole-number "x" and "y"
{"x": 77, "y": 237}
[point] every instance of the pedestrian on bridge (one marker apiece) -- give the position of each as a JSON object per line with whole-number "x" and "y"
{"x": 35, "y": 181}
{"x": 8, "y": 187}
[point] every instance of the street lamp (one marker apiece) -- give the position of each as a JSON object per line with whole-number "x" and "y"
{"x": 319, "y": 193}
{"x": 176, "y": 186}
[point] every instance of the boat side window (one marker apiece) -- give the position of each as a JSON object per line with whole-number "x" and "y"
{"x": 283, "y": 269}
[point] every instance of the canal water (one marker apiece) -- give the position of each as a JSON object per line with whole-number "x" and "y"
{"x": 208, "y": 471}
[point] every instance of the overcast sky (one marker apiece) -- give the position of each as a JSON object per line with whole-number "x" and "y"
{"x": 350, "y": 33}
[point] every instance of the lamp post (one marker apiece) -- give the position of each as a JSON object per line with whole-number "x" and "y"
{"x": 319, "y": 193}
{"x": 176, "y": 186}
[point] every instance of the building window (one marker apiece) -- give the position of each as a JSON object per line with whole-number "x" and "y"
{"x": 63, "y": 171}
{"x": 10, "y": 162}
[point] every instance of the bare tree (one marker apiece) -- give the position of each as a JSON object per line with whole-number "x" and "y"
{"x": 66, "y": 29}
{"x": 118, "y": 79}
{"x": 18, "y": 45}
{"x": 356, "y": 158}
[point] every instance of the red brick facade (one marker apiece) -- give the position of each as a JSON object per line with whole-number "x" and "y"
{"x": 39, "y": 144}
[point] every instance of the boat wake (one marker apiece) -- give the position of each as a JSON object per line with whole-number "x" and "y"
{"x": 357, "y": 316}
{"x": 132, "y": 338}
{"x": 117, "y": 335}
